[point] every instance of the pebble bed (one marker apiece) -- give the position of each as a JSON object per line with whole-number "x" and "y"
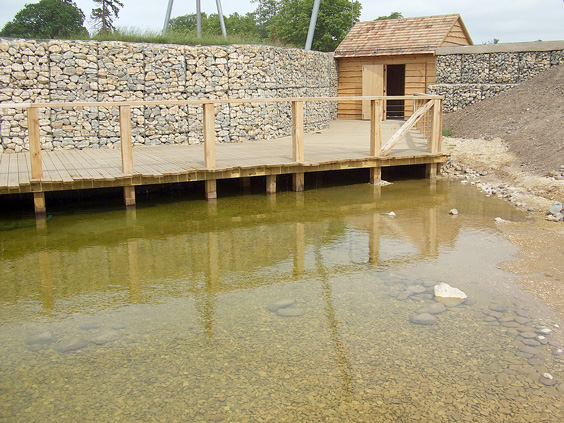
{"x": 343, "y": 339}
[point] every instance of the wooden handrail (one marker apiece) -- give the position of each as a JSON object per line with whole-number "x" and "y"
{"x": 433, "y": 101}
{"x": 218, "y": 101}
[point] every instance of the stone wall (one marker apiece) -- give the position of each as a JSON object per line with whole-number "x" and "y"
{"x": 62, "y": 71}
{"x": 467, "y": 75}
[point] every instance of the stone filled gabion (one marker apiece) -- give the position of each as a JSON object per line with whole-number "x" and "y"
{"x": 465, "y": 79}
{"x": 66, "y": 71}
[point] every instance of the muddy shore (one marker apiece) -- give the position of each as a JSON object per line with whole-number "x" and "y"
{"x": 490, "y": 166}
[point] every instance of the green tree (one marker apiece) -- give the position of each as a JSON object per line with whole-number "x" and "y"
{"x": 265, "y": 14}
{"x": 103, "y": 16}
{"x": 236, "y": 24}
{"x": 393, "y": 15}
{"x": 46, "y": 19}
{"x": 333, "y": 22}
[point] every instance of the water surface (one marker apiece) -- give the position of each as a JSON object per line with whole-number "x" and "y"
{"x": 162, "y": 314}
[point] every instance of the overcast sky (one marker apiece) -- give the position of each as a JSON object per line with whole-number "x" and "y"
{"x": 507, "y": 20}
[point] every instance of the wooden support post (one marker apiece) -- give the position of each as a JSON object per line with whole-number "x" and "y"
{"x": 34, "y": 143}
{"x": 298, "y": 181}
{"x": 126, "y": 152}
{"x": 298, "y": 142}
{"x": 39, "y": 204}
{"x": 270, "y": 184}
{"x": 375, "y": 175}
{"x": 432, "y": 170}
{"x": 211, "y": 189}
{"x": 209, "y": 148}
{"x": 129, "y": 196}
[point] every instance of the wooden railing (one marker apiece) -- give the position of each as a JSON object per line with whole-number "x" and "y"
{"x": 427, "y": 117}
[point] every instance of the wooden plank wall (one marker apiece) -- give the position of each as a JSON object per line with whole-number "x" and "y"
{"x": 419, "y": 73}
{"x": 456, "y": 37}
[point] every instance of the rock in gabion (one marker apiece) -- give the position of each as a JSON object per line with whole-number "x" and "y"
{"x": 465, "y": 79}
{"x": 67, "y": 71}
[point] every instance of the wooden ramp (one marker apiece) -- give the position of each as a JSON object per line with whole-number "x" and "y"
{"x": 344, "y": 145}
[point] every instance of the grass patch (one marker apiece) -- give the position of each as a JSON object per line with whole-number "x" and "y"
{"x": 183, "y": 38}
{"x": 447, "y": 132}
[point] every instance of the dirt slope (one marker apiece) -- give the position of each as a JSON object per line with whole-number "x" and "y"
{"x": 529, "y": 118}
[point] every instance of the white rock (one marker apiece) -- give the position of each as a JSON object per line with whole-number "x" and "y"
{"x": 392, "y": 214}
{"x": 444, "y": 290}
{"x": 454, "y": 212}
{"x": 499, "y": 220}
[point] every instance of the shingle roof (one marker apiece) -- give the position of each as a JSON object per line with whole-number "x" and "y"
{"x": 398, "y": 36}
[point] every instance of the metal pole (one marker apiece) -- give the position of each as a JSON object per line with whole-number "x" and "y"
{"x": 312, "y": 23}
{"x": 222, "y": 23}
{"x": 198, "y": 19}
{"x": 167, "y": 17}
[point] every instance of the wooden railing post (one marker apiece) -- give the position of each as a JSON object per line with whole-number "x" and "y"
{"x": 375, "y": 138}
{"x": 125, "y": 135}
{"x": 209, "y": 148}
{"x": 126, "y": 152}
{"x": 34, "y": 143}
{"x": 436, "y": 130}
{"x": 298, "y": 142}
{"x": 35, "y": 156}
{"x": 435, "y": 138}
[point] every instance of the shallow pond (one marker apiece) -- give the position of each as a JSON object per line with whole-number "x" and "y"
{"x": 296, "y": 307}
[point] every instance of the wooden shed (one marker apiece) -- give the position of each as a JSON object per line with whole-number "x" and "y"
{"x": 393, "y": 57}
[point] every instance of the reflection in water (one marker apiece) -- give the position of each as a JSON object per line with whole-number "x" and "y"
{"x": 333, "y": 323}
{"x": 161, "y": 313}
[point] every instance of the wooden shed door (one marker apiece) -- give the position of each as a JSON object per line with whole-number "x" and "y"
{"x": 372, "y": 84}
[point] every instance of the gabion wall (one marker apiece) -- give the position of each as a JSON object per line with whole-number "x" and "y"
{"x": 63, "y": 71}
{"x": 464, "y": 79}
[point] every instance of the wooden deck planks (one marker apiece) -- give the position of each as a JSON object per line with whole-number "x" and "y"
{"x": 345, "y": 145}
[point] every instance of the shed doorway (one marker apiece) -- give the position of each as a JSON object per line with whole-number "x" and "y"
{"x": 395, "y": 85}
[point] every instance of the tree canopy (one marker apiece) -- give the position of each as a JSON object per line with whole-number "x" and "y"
{"x": 46, "y": 19}
{"x": 103, "y": 16}
{"x": 335, "y": 19}
{"x": 393, "y": 15}
{"x": 236, "y": 24}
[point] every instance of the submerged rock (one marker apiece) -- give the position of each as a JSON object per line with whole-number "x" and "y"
{"x": 280, "y": 304}
{"x": 70, "y": 345}
{"x": 547, "y": 379}
{"x": 290, "y": 312}
{"x": 434, "y": 308}
{"x": 106, "y": 337}
{"x": 448, "y": 295}
{"x": 426, "y": 319}
{"x": 41, "y": 338}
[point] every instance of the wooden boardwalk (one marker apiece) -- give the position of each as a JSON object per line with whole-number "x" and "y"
{"x": 344, "y": 145}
